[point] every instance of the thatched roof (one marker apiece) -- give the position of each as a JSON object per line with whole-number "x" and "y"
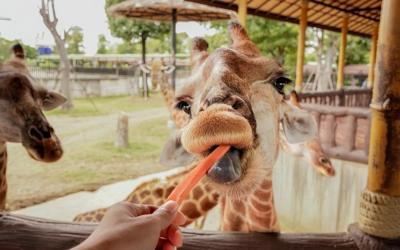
{"x": 325, "y": 14}
{"x": 161, "y": 10}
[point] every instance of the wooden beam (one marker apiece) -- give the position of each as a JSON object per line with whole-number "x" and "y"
{"x": 380, "y": 202}
{"x": 242, "y": 12}
{"x": 372, "y": 55}
{"x": 29, "y": 233}
{"x": 342, "y": 52}
{"x": 384, "y": 157}
{"x": 301, "y": 45}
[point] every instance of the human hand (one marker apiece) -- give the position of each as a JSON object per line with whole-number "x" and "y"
{"x": 143, "y": 227}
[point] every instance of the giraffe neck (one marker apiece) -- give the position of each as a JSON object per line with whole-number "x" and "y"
{"x": 3, "y": 180}
{"x": 255, "y": 213}
{"x": 179, "y": 117}
{"x": 200, "y": 200}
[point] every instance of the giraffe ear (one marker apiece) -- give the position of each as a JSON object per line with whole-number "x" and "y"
{"x": 174, "y": 154}
{"x": 52, "y": 100}
{"x": 298, "y": 125}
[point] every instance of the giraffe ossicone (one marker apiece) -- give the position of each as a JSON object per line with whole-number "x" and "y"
{"x": 22, "y": 100}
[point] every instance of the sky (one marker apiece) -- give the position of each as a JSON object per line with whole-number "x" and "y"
{"x": 27, "y": 25}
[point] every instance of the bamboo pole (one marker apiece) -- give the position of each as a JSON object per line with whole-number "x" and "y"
{"x": 242, "y": 12}
{"x": 380, "y": 202}
{"x": 301, "y": 45}
{"x": 342, "y": 52}
{"x": 372, "y": 55}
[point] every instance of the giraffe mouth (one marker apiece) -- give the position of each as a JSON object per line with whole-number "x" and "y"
{"x": 227, "y": 170}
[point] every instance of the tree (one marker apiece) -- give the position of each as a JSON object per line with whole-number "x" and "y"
{"x": 135, "y": 31}
{"x": 357, "y": 50}
{"x": 47, "y": 9}
{"x": 275, "y": 39}
{"x": 74, "y": 41}
{"x": 103, "y": 45}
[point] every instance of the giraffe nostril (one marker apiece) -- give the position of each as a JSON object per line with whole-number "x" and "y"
{"x": 35, "y": 134}
{"x": 323, "y": 160}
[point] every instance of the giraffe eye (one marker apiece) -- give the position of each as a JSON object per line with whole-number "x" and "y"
{"x": 280, "y": 83}
{"x": 184, "y": 106}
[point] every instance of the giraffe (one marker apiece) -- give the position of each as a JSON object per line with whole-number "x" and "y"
{"x": 310, "y": 151}
{"x": 21, "y": 118}
{"x": 159, "y": 76}
{"x": 234, "y": 96}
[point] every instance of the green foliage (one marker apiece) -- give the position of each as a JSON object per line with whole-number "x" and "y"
{"x": 74, "y": 41}
{"x": 103, "y": 45}
{"x": 6, "y": 53}
{"x": 164, "y": 44}
{"x": 221, "y": 36}
{"x": 357, "y": 50}
{"x": 275, "y": 39}
{"x": 131, "y": 30}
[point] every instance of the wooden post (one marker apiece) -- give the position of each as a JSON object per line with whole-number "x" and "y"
{"x": 301, "y": 45}
{"x": 121, "y": 139}
{"x": 242, "y": 12}
{"x": 342, "y": 52}
{"x": 372, "y": 55}
{"x": 350, "y": 133}
{"x": 380, "y": 202}
{"x": 331, "y": 127}
{"x": 173, "y": 51}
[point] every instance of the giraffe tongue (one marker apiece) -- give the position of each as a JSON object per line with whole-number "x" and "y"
{"x": 227, "y": 169}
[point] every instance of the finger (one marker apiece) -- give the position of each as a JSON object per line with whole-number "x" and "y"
{"x": 160, "y": 243}
{"x": 168, "y": 246}
{"x": 175, "y": 235}
{"x": 179, "y": 219}
{"x": 166, "y": 214}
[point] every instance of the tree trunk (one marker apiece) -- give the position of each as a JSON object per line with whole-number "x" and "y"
{"x": 65, "y": 76}
{"x": 318, "y": 72}
{"x": 330, "y": 58}
{"x": 64, "y": 62}
{"x": 145, "y": 86}
{"x": 144, "y": 50}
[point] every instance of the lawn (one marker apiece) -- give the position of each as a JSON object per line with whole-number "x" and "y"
{"x": 112, "y": 104}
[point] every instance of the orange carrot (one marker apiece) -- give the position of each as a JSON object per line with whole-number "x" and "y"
{"x": 183, "y": 188}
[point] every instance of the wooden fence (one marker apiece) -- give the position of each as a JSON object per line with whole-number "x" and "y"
{"x": 343, "y": 131}
{"x": 347, "y": 98}
{"x": 28, "y": 233}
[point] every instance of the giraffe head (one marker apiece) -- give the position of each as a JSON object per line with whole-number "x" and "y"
{"x": 234, "y": 96}
{"x": 310, "y": 151}
{"x": 22, "y": 99}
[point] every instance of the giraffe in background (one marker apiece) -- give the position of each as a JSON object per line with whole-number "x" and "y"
{"x": 21, "y": 120}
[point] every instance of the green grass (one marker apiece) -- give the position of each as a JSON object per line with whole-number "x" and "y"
{"x": 107, "y": 105}
{"x": 146, "y": 141}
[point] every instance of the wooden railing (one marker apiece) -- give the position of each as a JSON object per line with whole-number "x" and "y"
{"x": 343, "y": 131}
{"x": 347, "y": 98}
{"x": 29, "y": 233}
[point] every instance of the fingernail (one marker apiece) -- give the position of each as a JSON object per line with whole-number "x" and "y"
{"x": 171, "y": 206}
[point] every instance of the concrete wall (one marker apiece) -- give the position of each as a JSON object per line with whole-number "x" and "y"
{"x": 308, "y": 202}
{"x": 102, "y": 86}
{"x": 96, "y": 86}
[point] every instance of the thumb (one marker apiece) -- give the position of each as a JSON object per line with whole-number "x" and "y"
{"x": 166, "y": 213}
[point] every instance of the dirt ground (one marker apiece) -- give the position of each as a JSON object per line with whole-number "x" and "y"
{"x": 31, "y": 182}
